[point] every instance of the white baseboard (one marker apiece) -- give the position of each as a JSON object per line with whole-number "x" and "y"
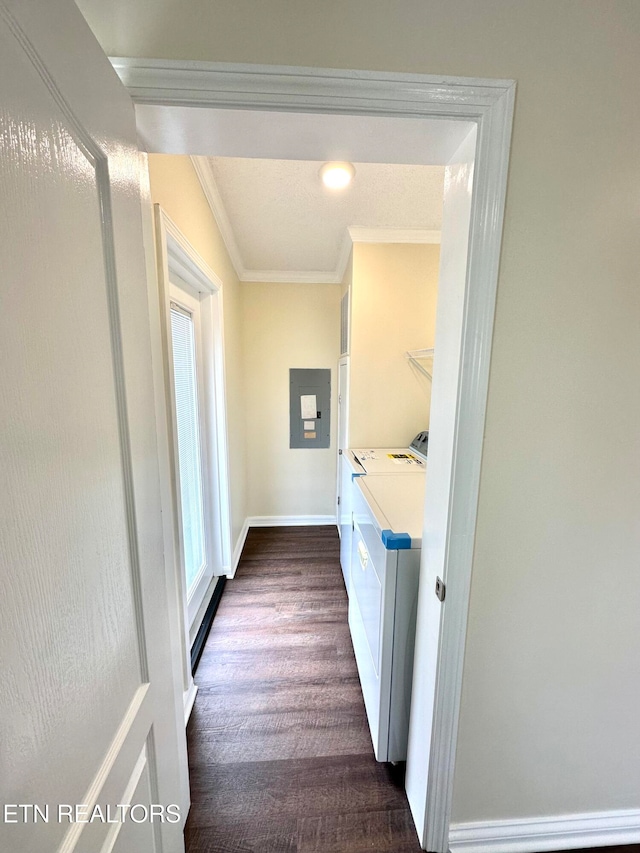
{"x": 290, "y": 520}
{"x": 189, "y": 699}
{"x": 534, "y": 835}
{"x": 274, "y": 521}
{"x": 237, "y": 551}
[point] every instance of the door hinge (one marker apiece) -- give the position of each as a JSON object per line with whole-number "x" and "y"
{"x": 339, "y": 398}
{"x": 339, "y": 453}
{"x": 338, "y": 500}
{"x": 441, "y": 589}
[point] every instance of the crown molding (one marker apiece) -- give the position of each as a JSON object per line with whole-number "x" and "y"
{"x": 291, "y": 277}
{"x": 393, "y": 235}
{"x": 210, "y": 188}
{"x": 212, "y": 194}
{"x": 353, "y": 235}
{"x": 225, "y": 84}
{"x": 343, "y": 256}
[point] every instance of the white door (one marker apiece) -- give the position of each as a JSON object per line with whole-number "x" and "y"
{"x": 343, "y": 428}
{"x": 343, "y": 403}
{"x": 344, "y": 476}
{"x": 88, "y": 707}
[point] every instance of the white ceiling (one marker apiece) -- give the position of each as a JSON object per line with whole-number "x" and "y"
{"x": 259, "y": 170}
{"x": 281, "y": 224}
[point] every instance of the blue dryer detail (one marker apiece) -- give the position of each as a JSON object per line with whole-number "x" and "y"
{"x": 354, "y": 475}
{"x": 396, "y": 541}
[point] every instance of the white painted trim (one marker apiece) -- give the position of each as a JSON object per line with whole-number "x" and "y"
{"x": 177, "y": 635}
{"x": 187, "y": 262}
{"x": 184, "y": 261}
{"x": 275, "y": 521}
{"x": 135, "y": 718}
{"x": 176, "y": 257}
{"x": 485, "y": 238}
{"x": 343, "y": 257}
{"x": 292, "y": 276}
{"x": 237, "y": 551}
{"x": 393, "y": 235}
{"x": 489, "y": 104}
{"x": 290, "y": 520}
{"x": 212, "y": 194}
{"x": 534, "y": 835}
{"x": 126, "y": 799}
{"x": 354, "y": 235}
{"x": 162, "y": 261}
{"x": 280, "y": 87}
{"x": 189, "y": 699}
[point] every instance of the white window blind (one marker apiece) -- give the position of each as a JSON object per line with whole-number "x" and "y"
{"x": 189, "y": 456}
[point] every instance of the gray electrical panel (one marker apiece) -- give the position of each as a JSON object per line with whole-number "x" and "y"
{"x": 309, "y": 407}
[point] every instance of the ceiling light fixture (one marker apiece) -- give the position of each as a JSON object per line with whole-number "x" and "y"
{"x": 337, "y": 176}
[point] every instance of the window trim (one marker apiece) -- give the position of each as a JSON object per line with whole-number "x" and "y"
{"x": 179, "y": 262}
{"x": 186, "y": 300}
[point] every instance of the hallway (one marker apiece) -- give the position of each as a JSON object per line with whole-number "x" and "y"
{"x": 279, "y": 749}
{"x": 280, "y": 754}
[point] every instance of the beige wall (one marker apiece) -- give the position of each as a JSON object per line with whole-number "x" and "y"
{"x": 268, "y": 329}
{"x": 175, "y": 187}
{"x": 287, "y": 325}
{"x": 552, "y": 674}
{"x": 393, "y": 309}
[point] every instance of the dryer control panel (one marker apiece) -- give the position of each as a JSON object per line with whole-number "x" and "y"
{"x": 420, "y": 443}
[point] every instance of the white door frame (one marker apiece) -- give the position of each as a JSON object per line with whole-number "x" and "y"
{"x": 178, "y": 260}
{"x": 489, "y": 105}
{"x": 343, "y": 406}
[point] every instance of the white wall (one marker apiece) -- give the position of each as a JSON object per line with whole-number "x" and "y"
{"x": 552, "y": 674}
{"x": 393, "y": 309}
{"x": 284, "y": 326}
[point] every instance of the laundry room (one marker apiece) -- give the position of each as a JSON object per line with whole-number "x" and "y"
{"x": 308, "y": 414}
{"x": 356, "y": 287}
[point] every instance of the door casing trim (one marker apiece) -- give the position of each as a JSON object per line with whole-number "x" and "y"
{"x": 490, "y": 105}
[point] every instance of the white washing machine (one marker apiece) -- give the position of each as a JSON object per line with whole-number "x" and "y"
{"x": 385, "y": 566}
{"x": 364, "y": 462}
{"x": 392, "y": 460}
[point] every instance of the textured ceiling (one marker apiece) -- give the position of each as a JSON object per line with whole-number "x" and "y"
{"x": 283, "y": 218}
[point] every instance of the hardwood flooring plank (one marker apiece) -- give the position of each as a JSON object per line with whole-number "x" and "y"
{"x": 389, "y": 831}
{"x": 281, "y": 736}
{"x": 293, "y": 789}
{"x": 279, "y": 748}
{"x": 278, "y": 736}
{"x": 282, "y": 696}
{"x": 243, "y": 836}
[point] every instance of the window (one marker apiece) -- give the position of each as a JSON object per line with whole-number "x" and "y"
{"x": 191, "y": 442}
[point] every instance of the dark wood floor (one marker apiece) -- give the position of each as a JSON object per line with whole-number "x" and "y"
{"x": 280, "y": 754}
{"x": 279, "y": 749}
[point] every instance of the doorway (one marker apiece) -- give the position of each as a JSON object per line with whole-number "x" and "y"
{"x": 477, "y": 188}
